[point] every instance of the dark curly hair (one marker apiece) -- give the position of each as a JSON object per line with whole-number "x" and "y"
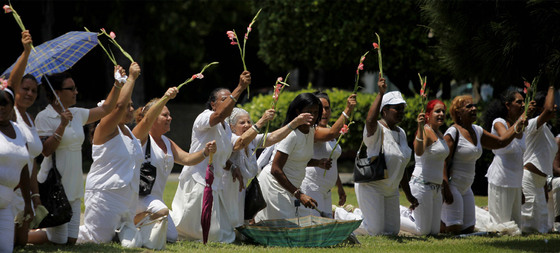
{"x": 497, "y": 108}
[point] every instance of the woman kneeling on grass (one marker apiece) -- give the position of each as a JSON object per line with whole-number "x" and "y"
{"x": 163, "y": 154}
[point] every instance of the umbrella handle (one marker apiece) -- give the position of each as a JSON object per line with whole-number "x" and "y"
{"x": 211, "y": 158}
{"x": 54, "y": 93}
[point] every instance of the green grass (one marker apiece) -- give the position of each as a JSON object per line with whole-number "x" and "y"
{"x": 442, "y": 243}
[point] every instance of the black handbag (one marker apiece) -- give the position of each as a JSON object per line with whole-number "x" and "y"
{"x": 54, "y": 198}
{"x": 369, "y": 169}
{"x": 147, "y": 173}
{"x": 254, "y": 200}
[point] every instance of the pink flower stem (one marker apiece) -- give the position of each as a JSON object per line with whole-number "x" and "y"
{"x": 335, "y": 146}
{"x": 379, "y": 54}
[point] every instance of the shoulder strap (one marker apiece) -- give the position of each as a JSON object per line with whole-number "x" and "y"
{"x": 380, "y": 151}
{"x": 455, "y": 142}
{"x": 148, "y": 153}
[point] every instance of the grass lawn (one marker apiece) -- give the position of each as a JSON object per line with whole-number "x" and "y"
{"x": 443, "y": 243}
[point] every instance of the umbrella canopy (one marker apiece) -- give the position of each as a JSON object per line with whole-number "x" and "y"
{"x": 207, "y": 201}
{"x": 312, "y": 231}
{"x": 58, "y": 55}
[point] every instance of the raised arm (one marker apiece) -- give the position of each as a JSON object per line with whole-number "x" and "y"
{"x": 549, "y": 109}
{"x": 141, "y": 130}
{"x": 224, "y": 109}
{"x": 107, "y": 128}
{"x": 249, "y": 135}
{"x": 184, "y": 158}
{"x": 326, "y": 134}
{"x": 373, "y": 113}
{"x": 110, "y": 102}
{"x": 281, "y": 133}
{"x": 490, "y": 141}
{"x": 19, "y": 69}
{"x": 421, "y": 141}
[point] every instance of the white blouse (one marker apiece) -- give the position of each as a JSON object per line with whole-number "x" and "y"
{"x": 429, "y": 166}
{"x": 162, "y": 161}
{"x": 69, "y": 150}
{"x": 13, "y": 157}
{"x": 299, "y": 148}
{"x": 318, "y": 179}
{"x": 34, "y": 144}
{"x": 506, "y": 169}
{"x": 203, "y": 133}
{"x": 245, "y": 159}
{"x": 466, "y": 153}
{"x": 396, "y": 150}
{"x": 541, "y": 146}
{"x": 116, "y": 163}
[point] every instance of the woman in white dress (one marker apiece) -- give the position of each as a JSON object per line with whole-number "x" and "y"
{"x": 430, "y": 151}
{"x": 25, "y": 89}
{"x": 281, "y": 180}
{"x": 164, "y": 153}
{"x": 379, "y": 200}
{"x": 246, "y": 138}
{"x": 210, "y": 125}
{"x": 60, "y": 127}
{"x": 112, "y": 182}
{"x": 14, "y": 158}
{"x": 458, "y": 212}
{"x": 537, "y": 163}
{"x": 317, "y": 182}
{"x": 506, "y": 170}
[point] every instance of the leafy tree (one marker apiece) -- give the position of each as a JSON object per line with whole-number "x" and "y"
{"x": 499, "y": 42}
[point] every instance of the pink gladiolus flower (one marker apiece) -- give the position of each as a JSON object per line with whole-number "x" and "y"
{"x": 525, "y": 90}
{"x": 113, "y": 35}
{"x": 199, "y": 76}
{"x": 193, "y": 77}
{"x": 277, "y": 92}
{"x": 233, "y": 43}
{"x": 249, "y": 29}
{"x": 422, "y": 92}
{"x": 103, "y": 29}
{"x": 362, "y": 59}
{"x": 280, "y": 79}
{"x": 375, "y": 45}
{"x": 361, "y": 66}
{"x": 344, "y": 129}
{"x": 527, "y": 84}
{"x": 7, "y": 9}
{"x": 246, "y": 36}
{"x": 231, "y": 35}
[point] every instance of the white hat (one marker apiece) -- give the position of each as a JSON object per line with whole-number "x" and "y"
{"x": 392, "y": 98}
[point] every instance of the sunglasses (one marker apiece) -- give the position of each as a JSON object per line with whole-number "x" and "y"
{"x": 469, "y": 106}
{"x": 73, "y": 88}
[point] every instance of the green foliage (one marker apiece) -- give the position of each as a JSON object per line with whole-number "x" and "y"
{"x": 338, "y": 98}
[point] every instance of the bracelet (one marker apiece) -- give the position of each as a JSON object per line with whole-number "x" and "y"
{"x": 298, "y": 190}
{"x": 233, "y": 98}
{"x": 35, "y": 195}
{"x": 515, "y": 129}
{"x": 256, "y": 128}
{"x": 345, "y": 115}
{"x": 57, "y": 137}
{"x": 204, "y": 154}
{"x": 418, "y": 139}
{"x": 116, "y": 86}
{"x": 290, "y": 127}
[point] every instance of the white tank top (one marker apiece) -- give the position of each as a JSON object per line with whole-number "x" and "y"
{"x": 429, "y": 166}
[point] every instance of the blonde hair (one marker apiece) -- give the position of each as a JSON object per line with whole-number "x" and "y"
{"x": 141, "y": 112}
{"x": 458, "y": 102}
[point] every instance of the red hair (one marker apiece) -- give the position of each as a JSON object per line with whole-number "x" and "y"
{"x": 430, "y": 106}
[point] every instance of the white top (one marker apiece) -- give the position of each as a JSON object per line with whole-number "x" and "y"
{"x": 116, "y": 163}
{"x": 34, "y": 144}
{"x": 69, "y": 150}
{"x": 203, "y": 133}
{"x": 299, "y": 148}
{"x": 541, "y": 146}
{"x": 315, "y": 177}
{"x": 245, "y": 159}
{"x": 396, "y": 149}
{"x": 429, "y": 166}
{"x": 506, "y": 169}
{"x": 466, "y": 153}
{"x": 162, "y": 161}
{"x": 13, "y": 156}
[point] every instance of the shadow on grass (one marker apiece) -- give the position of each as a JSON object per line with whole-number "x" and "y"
{"x": 404, "y": 238}
{"x": 535, "y": 243}
{"x": 88, "y": 247}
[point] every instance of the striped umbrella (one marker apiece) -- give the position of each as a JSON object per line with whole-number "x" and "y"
{"x": 57, "y": 55}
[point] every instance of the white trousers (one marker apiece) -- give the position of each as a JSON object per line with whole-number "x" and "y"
{"x": 427, "y": 215}
{"x": 554, "y": 201}
{"x": 534, "y": 212}
{"x": 380, "y": 207}
{"x": 187, "y": 212}
{"x": 461, "y": 211}
{"x": 60, "y": 234}
{"x": 504, "y": 204}
{"x": 153, "y": 204}
{"x": 6, "y": 229}
{"x": 105, "y": 211}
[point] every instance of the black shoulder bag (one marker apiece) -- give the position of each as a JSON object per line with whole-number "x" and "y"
{"x": 147, "y": 173}
{"x": 370, "y": 168}
{"x": 54, "y": 198}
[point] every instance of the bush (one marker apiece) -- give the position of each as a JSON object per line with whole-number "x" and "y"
{"x": 350, "y": 142}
